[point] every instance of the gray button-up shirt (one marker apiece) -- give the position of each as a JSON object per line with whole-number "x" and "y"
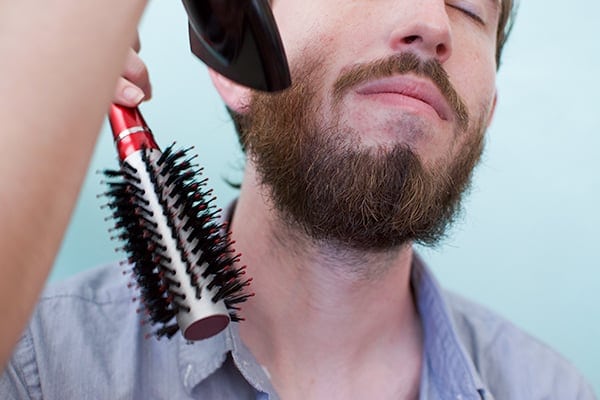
{"x": 86, "y": 341}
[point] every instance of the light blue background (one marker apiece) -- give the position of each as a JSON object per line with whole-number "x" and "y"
{"x": 527, "y": 244}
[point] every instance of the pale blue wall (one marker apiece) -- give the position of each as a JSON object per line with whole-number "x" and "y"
{"x": 527, "y": 243}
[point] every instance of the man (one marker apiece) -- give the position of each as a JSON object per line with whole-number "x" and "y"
{"x": 368, "y": 153}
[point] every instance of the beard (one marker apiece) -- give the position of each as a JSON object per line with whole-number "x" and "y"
{"x": 322, "y": 181}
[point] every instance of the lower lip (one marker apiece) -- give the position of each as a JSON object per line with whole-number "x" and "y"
{"x": 401, "y": 101}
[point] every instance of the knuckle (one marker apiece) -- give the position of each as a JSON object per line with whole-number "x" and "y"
{"x": 135, "y": 69}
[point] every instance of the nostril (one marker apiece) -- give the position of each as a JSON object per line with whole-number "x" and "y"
{"x": 441, "y": 50}
{"x": 427, "y": 40}
{"x": 411, "y": 39}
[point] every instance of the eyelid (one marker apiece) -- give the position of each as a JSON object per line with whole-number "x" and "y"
{"x": 471, "y": 10}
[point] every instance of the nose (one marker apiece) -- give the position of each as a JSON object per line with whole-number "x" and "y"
{"x": 423, "y": 30}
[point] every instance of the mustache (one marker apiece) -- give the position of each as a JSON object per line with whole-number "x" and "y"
{"x": 401, "y": 64}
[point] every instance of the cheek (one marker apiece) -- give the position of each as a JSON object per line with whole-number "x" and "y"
{"x": 329, "y": 26}
{"x": 299, "y": 23}
{"x": 472, "y": 68}
{"x": 475, "y": 83}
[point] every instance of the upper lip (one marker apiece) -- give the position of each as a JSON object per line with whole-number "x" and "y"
{"x": 419, "y": 89}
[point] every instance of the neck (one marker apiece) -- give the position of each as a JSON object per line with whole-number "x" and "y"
{"x": 324, "y": 311}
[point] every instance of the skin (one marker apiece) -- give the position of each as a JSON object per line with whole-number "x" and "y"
{"x": 48, "y": 145}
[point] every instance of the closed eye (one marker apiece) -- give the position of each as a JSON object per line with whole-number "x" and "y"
{"x": 469, "y": 14}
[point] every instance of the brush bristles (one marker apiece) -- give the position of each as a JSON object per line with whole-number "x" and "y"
{"x": 201, "y": 244}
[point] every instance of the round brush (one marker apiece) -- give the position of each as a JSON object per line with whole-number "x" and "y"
{"x": 181, "y": 256}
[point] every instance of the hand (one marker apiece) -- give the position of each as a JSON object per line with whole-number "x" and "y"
{"x": 133, "y": 86}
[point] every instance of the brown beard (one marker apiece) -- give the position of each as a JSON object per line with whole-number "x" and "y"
{"x": 322, "y": 182}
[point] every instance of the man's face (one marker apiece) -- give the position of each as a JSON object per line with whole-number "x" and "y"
{"x": 354, "y": 32}
{"x": 376, "y": 141}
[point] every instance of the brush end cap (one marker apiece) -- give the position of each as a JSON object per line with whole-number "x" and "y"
{"x": 206, "y": 327}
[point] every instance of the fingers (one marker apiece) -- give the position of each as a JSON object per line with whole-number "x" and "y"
{"x": 134, "y": 85}
{"x": 127, "y": 94}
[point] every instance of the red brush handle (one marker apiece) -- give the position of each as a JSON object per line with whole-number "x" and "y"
{"x": 130, "y": 131}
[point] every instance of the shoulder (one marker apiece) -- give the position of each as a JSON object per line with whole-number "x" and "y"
{"x": 512, "y": 363}
{"x": 95, "y": 300}
{"x": 103, "y": 284}
{"x": 82, "y": 332}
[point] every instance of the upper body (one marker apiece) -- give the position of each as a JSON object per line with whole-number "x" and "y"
{"x": 369, "y": 152}
{"x": 86, "y": 340}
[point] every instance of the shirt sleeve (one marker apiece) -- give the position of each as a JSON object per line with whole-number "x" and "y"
{"x": 21, "y": 379}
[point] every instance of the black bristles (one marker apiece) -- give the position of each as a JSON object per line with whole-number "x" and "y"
{"x": 191, "y": 216}
{"x": 167, "y": 330}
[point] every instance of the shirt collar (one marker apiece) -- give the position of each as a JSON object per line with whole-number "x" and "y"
{"x": 447, "y": 368}
{"x": 198, "y": 360}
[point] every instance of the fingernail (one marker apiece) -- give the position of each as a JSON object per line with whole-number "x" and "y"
{"x": 133, "y": 94}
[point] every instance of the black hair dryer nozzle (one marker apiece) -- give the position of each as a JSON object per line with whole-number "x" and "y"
{"x": 239, "y": 39}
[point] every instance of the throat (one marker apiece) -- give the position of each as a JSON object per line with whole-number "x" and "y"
{"x": 321, "y": 328}
{"x": 318, "y": 323}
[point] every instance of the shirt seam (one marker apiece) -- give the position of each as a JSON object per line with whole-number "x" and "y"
{"x": 438, "y": 302}
{"x": 84, "y": 298}
{"x": 29, "y": 347}
{"x": 458, "y": 348}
